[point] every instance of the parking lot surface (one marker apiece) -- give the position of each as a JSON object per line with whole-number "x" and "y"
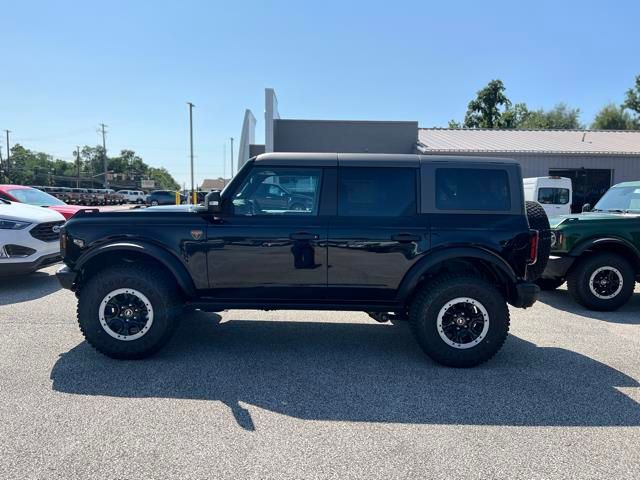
{"x": 291, "y": 394}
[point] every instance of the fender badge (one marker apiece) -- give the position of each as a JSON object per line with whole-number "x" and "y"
{"x": 196, "y": 234}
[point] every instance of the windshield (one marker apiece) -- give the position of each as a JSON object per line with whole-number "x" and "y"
{"x": 36, "y": 197}
{"x": 620, "y": 199}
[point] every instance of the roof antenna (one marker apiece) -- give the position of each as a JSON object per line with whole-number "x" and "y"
{"x": 584, "y": 135}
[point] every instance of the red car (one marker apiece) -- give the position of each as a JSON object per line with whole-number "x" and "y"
{"x": 33, "y": 196}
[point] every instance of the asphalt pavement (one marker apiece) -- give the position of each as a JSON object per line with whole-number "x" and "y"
{"x": 293, "y": 394}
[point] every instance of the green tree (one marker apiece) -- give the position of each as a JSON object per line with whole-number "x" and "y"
{"x": 515, "y": 116}
{"x": 632, "y": 102}
{"x": 560, "y": 116}
{"x": 612, "y": 117}
{"x": 486, "y": 110}
{"x": 163, "y": 178}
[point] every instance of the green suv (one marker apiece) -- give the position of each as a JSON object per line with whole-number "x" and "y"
{"x": 598, "y": 252}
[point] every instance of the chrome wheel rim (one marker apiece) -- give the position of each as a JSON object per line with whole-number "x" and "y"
{"x": 125, "y": 314}
{"x": 463, "y": 322}
{"x": 606, "y": 282}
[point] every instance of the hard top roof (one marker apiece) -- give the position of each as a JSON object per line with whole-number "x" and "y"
{"x": 371, "y": 159}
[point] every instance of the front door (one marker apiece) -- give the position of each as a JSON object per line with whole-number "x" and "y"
{"x": 377, "y": 234}
{"x": 261, "y": 248}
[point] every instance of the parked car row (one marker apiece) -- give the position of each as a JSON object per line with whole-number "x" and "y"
{"x": 85, "y": 196}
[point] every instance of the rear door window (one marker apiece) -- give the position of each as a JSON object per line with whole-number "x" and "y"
{"x": 472, "y": 189}
{"x": 376, "y": 191}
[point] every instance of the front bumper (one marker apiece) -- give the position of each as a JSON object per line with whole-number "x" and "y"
{"x": 526, "y": 294}
{"x": 558, "y": 266}
{"x": 67, "y": 278}
{"x": 8, "y": 268}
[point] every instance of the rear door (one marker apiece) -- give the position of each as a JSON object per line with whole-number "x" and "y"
{"x": 377, "y": 234}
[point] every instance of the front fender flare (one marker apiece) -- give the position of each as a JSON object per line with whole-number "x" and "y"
{"x": 159, "y": 254}
{"x": 598, "y": 241}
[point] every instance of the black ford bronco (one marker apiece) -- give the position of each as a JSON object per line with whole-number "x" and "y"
{"x": 443, "y": 242}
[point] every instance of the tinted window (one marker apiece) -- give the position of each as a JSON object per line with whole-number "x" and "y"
{"x": 264, "y": 192}
{"x": 472, "y": 189}
{"x": 553, "y": 196}
{"x": 380, "y": 192}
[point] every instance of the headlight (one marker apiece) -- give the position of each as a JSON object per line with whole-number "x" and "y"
{"x": 12, "y": 224}
{"x": 554, "y": 239}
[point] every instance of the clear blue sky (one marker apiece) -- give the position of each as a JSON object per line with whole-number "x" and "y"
{"x": 69, "y": 65}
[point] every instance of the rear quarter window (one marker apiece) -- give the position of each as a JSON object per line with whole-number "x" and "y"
{"x": 485, "y": 189}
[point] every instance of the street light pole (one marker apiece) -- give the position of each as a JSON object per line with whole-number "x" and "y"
{"x": 8, "y": 152}
{"x": 191, "y": 105}
{"x": 231, "y": 157}
{"x": 104, "y": 158}
{"x": 78, "y": 166}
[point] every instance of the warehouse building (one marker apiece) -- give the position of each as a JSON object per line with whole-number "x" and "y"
{"x": 594, "y": 160}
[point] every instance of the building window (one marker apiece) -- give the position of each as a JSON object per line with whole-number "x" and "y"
{"x": 472, "y": 189}
{"x": 381, "y": 192}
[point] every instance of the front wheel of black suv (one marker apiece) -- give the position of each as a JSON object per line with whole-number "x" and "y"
{"x": 128, "y": 311}
{"x": 602, "y": 281}
{"x": 460, "y": 321}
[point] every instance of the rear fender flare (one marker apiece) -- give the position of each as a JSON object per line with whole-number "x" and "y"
{"x": 412, "y": 278}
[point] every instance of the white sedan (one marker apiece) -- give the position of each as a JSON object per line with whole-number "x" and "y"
{"x": 29, "y": 237}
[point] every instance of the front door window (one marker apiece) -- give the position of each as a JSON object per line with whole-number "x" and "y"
{"x": 278, "y": 191}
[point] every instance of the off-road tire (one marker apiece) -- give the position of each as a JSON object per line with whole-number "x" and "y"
{"x": 151, "y": 281}
{"x": 538, "y": 221}
{"x": 424, "y": 310}
{"x": 580, "y": 274}
{"x": 549, "y": 284}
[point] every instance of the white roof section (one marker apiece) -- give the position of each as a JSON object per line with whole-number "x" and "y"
{"x": 601, "y": 142}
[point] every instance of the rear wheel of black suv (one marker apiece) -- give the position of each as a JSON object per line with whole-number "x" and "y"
{"x": 128, "y": 311}
{"x": 602, "y": 281}
{"x": 460, "y": 321}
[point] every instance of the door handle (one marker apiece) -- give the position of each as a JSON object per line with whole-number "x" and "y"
{"x": 304, "y": 236}
{"x": 406, "y": 238}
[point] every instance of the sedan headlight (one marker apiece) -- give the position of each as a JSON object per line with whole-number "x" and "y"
{"x": 6, "y": 224}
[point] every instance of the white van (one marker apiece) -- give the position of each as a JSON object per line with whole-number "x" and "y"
{"x": 133, "y": 196}
{"x": 553, "y": 193}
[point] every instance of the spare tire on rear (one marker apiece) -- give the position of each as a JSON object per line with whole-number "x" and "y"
{"x": 538, "y": 221}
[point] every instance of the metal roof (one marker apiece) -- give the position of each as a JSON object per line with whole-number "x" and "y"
{"x": 601, "y": 142}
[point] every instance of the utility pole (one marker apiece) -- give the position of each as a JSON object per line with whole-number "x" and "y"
{"x": 224, "y": 164}
{"x": 8, "y": 152}
{"x": 191, "y": 105}
{"x": 104, "y": 155}
{"x": 231, "y": 157}
{"x": 78, "y": 166}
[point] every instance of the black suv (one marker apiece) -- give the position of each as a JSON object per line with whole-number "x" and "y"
{"x": 443, "y": 242}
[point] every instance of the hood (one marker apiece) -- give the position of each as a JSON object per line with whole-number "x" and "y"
{"x": 28, "y": 213}
{"x": 579, "y": 218}
{"x": 67, "y": 211}
{"x": 170, "y": 208}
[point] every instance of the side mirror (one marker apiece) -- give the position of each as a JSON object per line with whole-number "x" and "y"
{"x": 213, "y": 202}
{"x": 586, "y": 208}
